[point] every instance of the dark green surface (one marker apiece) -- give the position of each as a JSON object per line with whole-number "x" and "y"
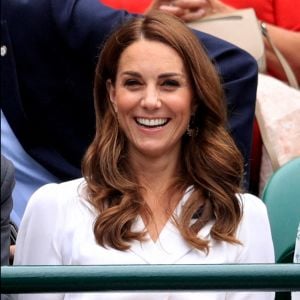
{"x": 282, "y": 198}
{"x": 33, "y": 279}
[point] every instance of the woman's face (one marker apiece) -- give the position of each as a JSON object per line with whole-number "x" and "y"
{"x": 152, "y": 97}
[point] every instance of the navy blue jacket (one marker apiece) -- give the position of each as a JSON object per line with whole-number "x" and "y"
{"x": 47, "y": 76}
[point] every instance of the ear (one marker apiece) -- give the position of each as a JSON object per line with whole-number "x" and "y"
{"x": 111, "y": 93}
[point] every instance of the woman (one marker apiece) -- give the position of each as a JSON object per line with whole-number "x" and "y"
{"x": 162, "y": 174}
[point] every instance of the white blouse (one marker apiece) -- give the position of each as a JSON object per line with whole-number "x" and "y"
{"x": 57, "y": 229}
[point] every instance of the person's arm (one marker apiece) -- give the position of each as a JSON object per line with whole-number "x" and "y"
{"x": 256, "y": 246}
{"x": 7, "y": 185}
{"x": 39, "y": 232}
{"x": 39, "y": 235}
{"x": 191, "y": 10}
{"x": 288, "y": 43}
{"x": 255, "y": 237}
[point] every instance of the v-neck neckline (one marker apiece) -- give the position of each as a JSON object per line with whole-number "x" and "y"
{"x": 170, "y": 245}
{"x": 169, "y": 224}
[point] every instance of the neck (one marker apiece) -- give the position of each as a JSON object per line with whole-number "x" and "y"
{"x": 157, "y": 177}
{"x": 156, "y": 174}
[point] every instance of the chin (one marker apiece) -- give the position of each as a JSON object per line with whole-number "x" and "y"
{"x": 154, "y": 152}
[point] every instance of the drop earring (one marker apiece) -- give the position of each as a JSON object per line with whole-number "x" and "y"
{"x": 189, "y": 131}
{"x": 192, "y": 129}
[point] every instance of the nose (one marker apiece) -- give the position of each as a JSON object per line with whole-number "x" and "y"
{"x": 151, "y": 99}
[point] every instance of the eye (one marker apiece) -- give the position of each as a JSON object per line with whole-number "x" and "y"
{"x": 170, "y": 83}
{"x": 132, "y": 82}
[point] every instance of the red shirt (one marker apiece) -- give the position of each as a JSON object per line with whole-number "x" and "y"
{"x": 283, "y": 13}
{"x": 133, "y": 6}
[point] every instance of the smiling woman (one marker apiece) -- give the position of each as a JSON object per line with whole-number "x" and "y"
{"x": 158, "y": 73}
{"x": 153, "y": 101}
{"x": 162, "y": 177}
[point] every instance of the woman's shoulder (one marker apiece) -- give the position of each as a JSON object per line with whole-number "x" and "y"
{"x": 254, "y": 212}
{"x": 251, "y": 204}
{"x": 69, "y": 188}
{"x": 54, "y": 195}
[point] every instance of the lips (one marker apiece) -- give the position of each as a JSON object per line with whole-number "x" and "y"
{"x": 152, "y": 123}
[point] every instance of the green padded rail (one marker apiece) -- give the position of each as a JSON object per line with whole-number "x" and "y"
{"x": 252, "y": 277}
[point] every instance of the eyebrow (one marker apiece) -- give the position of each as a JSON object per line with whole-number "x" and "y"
{"x": 164, "y": 75}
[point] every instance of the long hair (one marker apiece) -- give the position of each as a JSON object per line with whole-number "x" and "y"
{"x": 211, "y": 162}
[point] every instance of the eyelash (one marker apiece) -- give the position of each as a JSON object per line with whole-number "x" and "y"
{"x": 172, "y": 83}
{"x": 168, "y": 83}
{"x": 131, "y": 82}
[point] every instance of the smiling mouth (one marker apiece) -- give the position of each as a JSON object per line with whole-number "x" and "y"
{"x": 151, "y": 123}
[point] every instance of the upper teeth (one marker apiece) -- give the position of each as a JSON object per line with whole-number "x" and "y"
{"x": 152, "y": 122}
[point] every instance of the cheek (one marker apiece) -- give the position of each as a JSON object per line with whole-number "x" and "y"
{"x": 181, "y": 104}
{"x": 125, "y": 101}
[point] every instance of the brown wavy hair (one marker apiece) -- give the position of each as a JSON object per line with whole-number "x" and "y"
{"x": 211, "y": 162}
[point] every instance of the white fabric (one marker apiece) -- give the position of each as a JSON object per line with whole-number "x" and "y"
{"x": 296, "y": 295}
{"x": 57, "y": 229}
{"x": 278, "y": 116}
